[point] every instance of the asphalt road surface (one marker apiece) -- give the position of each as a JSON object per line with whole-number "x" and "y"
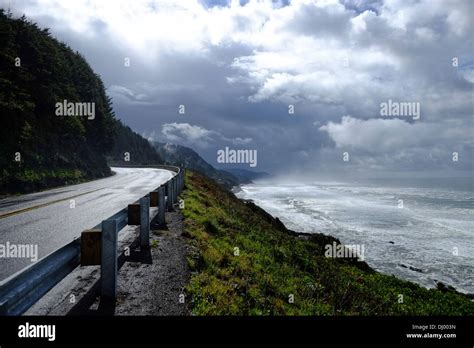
{"x": 50, "y": 219}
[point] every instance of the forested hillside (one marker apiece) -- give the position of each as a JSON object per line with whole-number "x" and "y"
{"x": 132, "y": 148}
{"x": 39, "y": 147}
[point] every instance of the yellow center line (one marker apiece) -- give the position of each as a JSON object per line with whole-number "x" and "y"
{"x": 19, "y": 211}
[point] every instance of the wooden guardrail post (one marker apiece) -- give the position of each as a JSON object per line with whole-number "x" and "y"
{"x": 145, "y": 222}
{"x": 91, "y": 242}
{"x": 153, "y": 198}
{"x": 133, "y": 212}
{"x": 108, "y": 268}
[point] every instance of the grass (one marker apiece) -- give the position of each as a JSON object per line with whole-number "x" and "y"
{"x": 244, "y": 262}
{"x": 30, "y": 180}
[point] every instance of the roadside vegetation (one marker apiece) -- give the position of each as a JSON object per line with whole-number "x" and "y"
{"x": 244, "y": 262}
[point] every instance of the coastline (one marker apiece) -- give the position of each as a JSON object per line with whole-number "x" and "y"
{"x": 244, "y": 261}
{"x": 437, "y": 284}
{"x": 328, "y": 239}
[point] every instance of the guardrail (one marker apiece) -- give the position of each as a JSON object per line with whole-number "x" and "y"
{"x": 21, "y": 290}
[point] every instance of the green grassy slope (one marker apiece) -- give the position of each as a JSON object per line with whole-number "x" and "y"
{"x": 272, "y": 266}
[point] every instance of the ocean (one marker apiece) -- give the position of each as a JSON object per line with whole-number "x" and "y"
{"x": 416, "y": 229}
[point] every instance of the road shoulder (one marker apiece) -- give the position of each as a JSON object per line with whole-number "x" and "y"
{"x": 149, "y": 282}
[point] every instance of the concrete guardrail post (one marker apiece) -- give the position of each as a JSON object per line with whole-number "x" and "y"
{"x": 161, "y": 205}
{"x": 175, "y": 181}
{"x": 175, "y": 185}
{"x": 145, "y": 222}
{"x": 173, "y": 191}
{"x": 108, "y": 267}
{"x": 178, "y": 191}
{"x": 169, "y": 196}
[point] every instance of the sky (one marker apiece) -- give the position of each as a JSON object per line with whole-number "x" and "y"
{"x": 238, "y": 67}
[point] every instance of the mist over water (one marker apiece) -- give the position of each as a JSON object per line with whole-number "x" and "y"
{"x": 436, "y": 221}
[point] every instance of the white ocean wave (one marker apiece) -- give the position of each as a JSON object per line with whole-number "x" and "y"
{"x": 433, "y": 231}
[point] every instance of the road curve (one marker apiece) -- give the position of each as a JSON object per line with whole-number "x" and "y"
{"x": 48, "y": 220}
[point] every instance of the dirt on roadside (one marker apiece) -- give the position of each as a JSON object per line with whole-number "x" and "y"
{"x": 149, "y": 282}
{"x": 154, "y": 284}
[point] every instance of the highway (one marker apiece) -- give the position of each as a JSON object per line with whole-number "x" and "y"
{"x": 52, "y": 218}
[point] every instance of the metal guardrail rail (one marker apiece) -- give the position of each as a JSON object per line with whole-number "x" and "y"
{"x": 22, "y": 289}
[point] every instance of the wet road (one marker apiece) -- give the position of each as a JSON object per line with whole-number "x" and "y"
{"x": 50, "y": 219}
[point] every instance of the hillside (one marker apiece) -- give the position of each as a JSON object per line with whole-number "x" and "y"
{"x": 244, "y": 262}
{"x": 44, "y": 144}
{"x": 129, "y": 142}
{"x": 177, "y": 154}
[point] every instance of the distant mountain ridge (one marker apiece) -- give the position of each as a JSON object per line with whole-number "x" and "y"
{"x": 177, "y": 154}
{"x": 247, "y": 176}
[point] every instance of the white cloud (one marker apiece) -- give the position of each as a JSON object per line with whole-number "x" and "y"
{"x": 379, "y": 135}
{"x": 196, "y": 135}
{"x": 235, "y": 67}
{"x": 396, "y": 143}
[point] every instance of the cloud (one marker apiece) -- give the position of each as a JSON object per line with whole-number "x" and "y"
{"x": 380, "y": 135}
{"x": 126, "y": 95}
{"x": 396, "y": 142}
{"x": 185, "y": 133}
{"x": 237, "y": 65}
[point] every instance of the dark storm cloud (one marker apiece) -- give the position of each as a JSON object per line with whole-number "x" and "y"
{"x": 237, "y": 66}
